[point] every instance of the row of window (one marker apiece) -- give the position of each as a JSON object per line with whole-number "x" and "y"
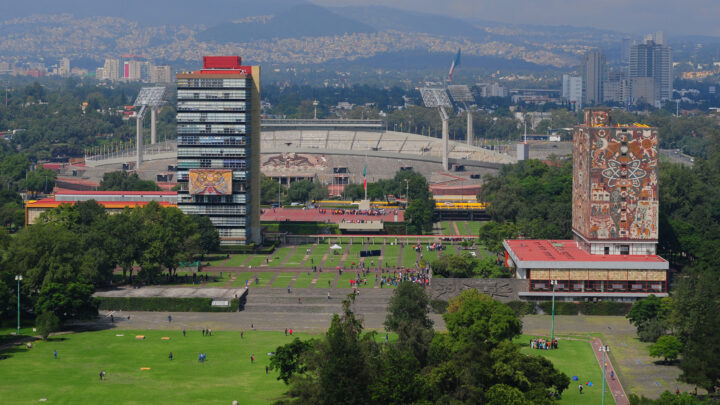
{"x": 219, "y": 152}
{"x": 232, "y": 232}
{"x": 210, "y": 140}
{"x": 212, "y": 164}
{"x": 236, "y": 175}
{"x": 212, "y": 95}
{"x": 228, "y": 221}
{"x": 211, "y": 129}
{"x": 211, "y": 106}
{"x": 214, "y": 210}
{"x": 210, "y": 199}
{"x": 598, "y": 286}
{"x": 183, "y": 117}
{"x": 213, "y": 83}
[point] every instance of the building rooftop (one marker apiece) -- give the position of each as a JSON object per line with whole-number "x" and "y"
{"x": 566, "y": 254}
{"x": 101, "y": 193}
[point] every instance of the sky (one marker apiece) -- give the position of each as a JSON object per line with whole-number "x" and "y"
{"x": 675, "y": 17}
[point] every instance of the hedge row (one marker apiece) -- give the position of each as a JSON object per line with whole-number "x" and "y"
{"x": 587, "y": 308}
{"x": 164, "y": 304}
{"x": 394, "y": 228}
{"x": 522, "y": 307}
{"x": 301, "y": 227}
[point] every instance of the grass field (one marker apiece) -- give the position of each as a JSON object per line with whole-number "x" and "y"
{"x": 304, "y": 280}
{"x": 316, "y": 255}
{"x": 323, "y": 278}
{"x": 256, "y": 260}
{"x": 297, "y": 256}
{"x": 241, "y": 277}
{"x": 574, "y": 358}
{"x": 333, "y": 260}
{"x": 447, "y": 228}
{"x": 226, "y": 375}
{"x": 409, "y": 256}
{"x": 390, "y": 257}
{"x": 264, "y": 278}
{"x": 282, "y": 280}
{"x": 474, "y": 227}
{"x": 279, "y": 255}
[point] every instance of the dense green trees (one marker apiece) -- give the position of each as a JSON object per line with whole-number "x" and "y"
{"x": 475, "y": 362}
{"x": 529, "y": 199}
{"x": 75, "y": 248}
{"x": 123, "y": 181}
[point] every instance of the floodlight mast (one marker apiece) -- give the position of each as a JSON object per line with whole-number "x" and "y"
{"x": 149, "y": 97}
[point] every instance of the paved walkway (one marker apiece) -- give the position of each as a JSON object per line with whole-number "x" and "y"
{"x": 616, "y": 388}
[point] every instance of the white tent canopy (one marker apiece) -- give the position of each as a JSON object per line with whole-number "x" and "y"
{"x": 335, "y": 247}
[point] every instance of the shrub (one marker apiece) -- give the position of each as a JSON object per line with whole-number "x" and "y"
{"x": 522, "y": 308}
{"x": 164, "y": 304}
{"x": 605, "y": 308}
{"x": 47, "y": 323}
{"x": 438, "y": 306}
{"x": 561, "y": 308}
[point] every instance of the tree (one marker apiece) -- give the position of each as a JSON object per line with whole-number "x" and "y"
{"x": 476, "y": 319}
{"x": 14, "y": 166}
{"x": 122, "y": 181}
{"x": 270, "y": 190}
{"x": 209, "y": 239}
{"x": 408, "y": 316}
{"x": 288, "y": 359}
{"x": 501, "y": 394}
{"x": 40, "y": 180}
{"x": 668, "y": 347}
{"x": 67, "y": 300}
{"x": 299, "y": 191}
{"x": 47, "y": 323}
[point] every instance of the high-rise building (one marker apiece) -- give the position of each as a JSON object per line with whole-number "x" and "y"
{"x": 111, "y": 69}
{"x": 615, "y": 191}
{"x": 654, "y": 60}
{"x": 218, "y": 126}
{"x": 572, "y": 91}
{"x": 625, "y": 45}
{"x": 160, "y": 74}
{"x": 64, "y": 67}
{"x": 593, "y": 75}
{"x": 617, "y": 88}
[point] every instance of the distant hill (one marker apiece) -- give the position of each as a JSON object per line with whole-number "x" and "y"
{"x": 153, "y": 12}
{"x": 305, "y": 20}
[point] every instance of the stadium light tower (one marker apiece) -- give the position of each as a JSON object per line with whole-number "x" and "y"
{"x": 461, "y": 93}
{"x": 151, "y": 97}
{"x": 438, "y": 98}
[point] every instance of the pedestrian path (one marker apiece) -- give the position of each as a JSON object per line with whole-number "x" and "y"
{"x": 616, "y": 388}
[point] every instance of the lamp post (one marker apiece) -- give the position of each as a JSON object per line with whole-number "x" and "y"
{"x": 552, "y": 327}
{"x": 407, "y": 201}
{"x": 18, "y": 278}
{"x": 603, "y": 349}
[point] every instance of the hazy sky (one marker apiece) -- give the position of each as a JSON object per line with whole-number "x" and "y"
{"x": 675, "y": 17}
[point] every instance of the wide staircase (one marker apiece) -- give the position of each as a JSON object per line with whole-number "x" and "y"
{"x": 315, "y": 300}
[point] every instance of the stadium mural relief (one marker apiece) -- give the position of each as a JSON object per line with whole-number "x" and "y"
{"x": 210, "y": 182}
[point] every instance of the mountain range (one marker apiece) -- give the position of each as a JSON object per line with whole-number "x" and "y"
{"x": 283, "y": 32}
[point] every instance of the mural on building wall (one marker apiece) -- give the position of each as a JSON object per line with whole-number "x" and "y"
{"x": 623, "y": 200}
{"x": 210, "y": 182}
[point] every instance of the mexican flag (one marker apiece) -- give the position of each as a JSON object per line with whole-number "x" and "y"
{"x": 365, "y": 177}
{"x": 455, "y": 63}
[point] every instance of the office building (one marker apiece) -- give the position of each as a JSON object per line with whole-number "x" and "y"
{"x": 652, "y": 59}
{"x": 617, "y": 88}
{"x": 593, "y": 75}
{"x": 160, "y": 74}
{"x": 64, "y": 67}
{"x": 218, "y": 126}
{"x": 614, "y": 220}
{"x": 572, "y": 91}
{"x": 111, "y": 70}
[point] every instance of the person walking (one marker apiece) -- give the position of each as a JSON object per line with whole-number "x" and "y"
{"x": 286, "y": 330}
{"x": 267, "y": 370}
{"x": 580, "y": 387}
{"x": 184, "y": 333}
{"x": 169, "y": 318}
{"x": 203, "y": 332}
{"x": 102, "y": 375}
{"x": 55, "y": 354}
{"x": 252, "y": 359}
{"x": 170, "y": 356}
{"x": 242, "y": 334}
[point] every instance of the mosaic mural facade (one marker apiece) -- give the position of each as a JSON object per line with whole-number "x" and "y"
{"x": 615, "y": 190}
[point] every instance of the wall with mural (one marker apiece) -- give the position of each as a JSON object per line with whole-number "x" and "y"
{"x": 622, "y": 181}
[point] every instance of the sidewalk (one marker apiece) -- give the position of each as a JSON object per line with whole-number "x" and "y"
{"x": 616, "y": 388}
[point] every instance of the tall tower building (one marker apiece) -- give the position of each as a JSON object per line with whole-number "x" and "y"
{"x": 111, "y": 69}
{"x": 218, "y": 126}
{"x": 572, "y": 91}
{"x": 615, "y": 191}
{"x": 593, "y": 74}
{"x": 651, "y": 59}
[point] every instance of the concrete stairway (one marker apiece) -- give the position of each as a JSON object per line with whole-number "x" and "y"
{"x": 314, "y": 300}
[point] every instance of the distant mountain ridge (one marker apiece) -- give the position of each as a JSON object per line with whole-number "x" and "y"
{"x": 304, "y": 20}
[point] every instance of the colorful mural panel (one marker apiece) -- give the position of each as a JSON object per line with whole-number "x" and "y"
{"x": 210, "y": 182}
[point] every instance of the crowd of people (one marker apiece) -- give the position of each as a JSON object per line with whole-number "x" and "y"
{"x": 543, "y": 344}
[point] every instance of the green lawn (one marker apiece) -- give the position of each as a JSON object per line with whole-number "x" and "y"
{"x": 316, "y": 255}
{"x": 447, "y": 228}
{"x": 474, "y": 227}
{"x": 324, "y": 277}
{"x": 216, "y": 262}
{"x": 297, "y": 257}
{"x": 279, "y": 255}
{"x": 409, "y": 257}
{"x": 333, "y": 260}
{"x": 237, "y": 260}
{"x": 263, "y": 278}
{"x": 462, "y": 226}
{"x": 226, "y": 375}
{"x": 354, "y": 254}
{"x": 574, "y": 358}
{"x": 256, "y": 260}
{"x": 241, "y": 277}
{"x": 390, "y": 257}
{"x": 304, "y": 280}
{"x": 282, "y": 280}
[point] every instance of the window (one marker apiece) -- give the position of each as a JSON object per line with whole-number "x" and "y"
{"x": 607, "y": 250}
{"x": 624, "y": 249}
